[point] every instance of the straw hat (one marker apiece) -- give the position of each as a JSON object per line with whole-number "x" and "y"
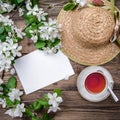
{"x": 86, "y": 35}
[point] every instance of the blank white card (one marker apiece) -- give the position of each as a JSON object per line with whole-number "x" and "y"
{"x": 37, "y": 70}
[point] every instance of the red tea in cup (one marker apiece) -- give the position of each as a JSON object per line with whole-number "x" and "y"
{"x": 95, "y": 82}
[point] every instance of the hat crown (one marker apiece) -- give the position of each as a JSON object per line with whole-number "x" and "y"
{"x": 92, "y": 26}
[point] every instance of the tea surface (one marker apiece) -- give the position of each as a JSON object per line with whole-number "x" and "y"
{"x": 95, "y": 82}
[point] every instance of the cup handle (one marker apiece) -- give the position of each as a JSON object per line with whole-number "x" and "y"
{"x": 113, "y": 94}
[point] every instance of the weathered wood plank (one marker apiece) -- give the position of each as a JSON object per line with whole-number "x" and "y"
{"x": 78, "y": 115}
{"x": 73, "y": 100}
{"x": 69, "y": 106}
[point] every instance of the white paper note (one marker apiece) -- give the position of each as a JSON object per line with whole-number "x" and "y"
{"x": 37, "y": 70}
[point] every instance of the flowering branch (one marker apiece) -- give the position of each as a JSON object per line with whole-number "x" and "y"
{"x": 10, "y": 98}
{"x": 10, "y": 35}
{"x": 44, "y": 33}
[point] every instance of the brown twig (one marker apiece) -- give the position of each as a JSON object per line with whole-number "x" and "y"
{"x": 3, "y": 73}
{"x": 16, "y": 10}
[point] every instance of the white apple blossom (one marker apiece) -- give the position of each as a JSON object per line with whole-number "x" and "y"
{"x": 52, "y": 50}
{"x": 41, "y": 15}
{"x": 19, "y": 32}
{"x": 10, "y": 112}
{"x": 21, "y": 12}
{"x": 5, "y": 62}
{"x": 19, "y": 110}
{"x": 15, "y": 94}
{"x": 53, "y": 109}
{"x": 8, "y": 51}
{"x": 33, "y": 10}
{"x": 12, "y": 71}
{"x": 38, "y": 12}
{"x": 54, "y": 99}
{"x": 3, "y": 103}
{"x": 50, "y": 30}
{"x": 81, "y": 3}
{"x": 13, "y": 47}
{"x": 6, "y": 20}
{"x": 34, "y": 38}
{"x": 34, "y": 35}
{"x": 5, "y": 7}
{"x": 16, "y": 112}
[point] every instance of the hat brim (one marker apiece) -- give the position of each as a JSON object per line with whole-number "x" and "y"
{"x": 80, "y": 54}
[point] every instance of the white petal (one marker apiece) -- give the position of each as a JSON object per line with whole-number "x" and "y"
{"x": 50, "y": 95}
{"x": 28, "y": 7}
{"x": 50, "y": 102}
{"x": 54, "y": 104}
{"x": 55, "y": 95}
{"x": 19, "y": 48}
{"x": 1, "y": 81}
{"x": 35, "y": 8}
{"x": 12, "y": 71}
{"x": 59, "y": 99}
{"x": 83, "y": 3}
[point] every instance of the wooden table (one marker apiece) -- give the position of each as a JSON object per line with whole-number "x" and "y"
{"x": 74, "y": 106}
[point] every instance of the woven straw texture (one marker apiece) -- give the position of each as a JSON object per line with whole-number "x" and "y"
{"x": 86, "y": 35}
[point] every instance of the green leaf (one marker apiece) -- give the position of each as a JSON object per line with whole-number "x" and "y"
{"x": 40, "y": 24}
{"x": 16, "y": 102}
{"x": 5, "y": 89}
{"x": 35, "y": 118}
{"x": 12, "y": 82}
{"x": 9, "y": 103}
{"x": 34, "y": 26}
{"x": 56, "y": 42}
{"x": 2, "y": 29}
{"x": 46, "y": 97}
{"x": 40, "y": 44}
{"x": 70, "y": 1}
{"x": 43, "y": 102}
{"x": 18, "y": 39}
{"x": 16, "y": 2}
{"x": 27, "y": 32}
{"x": 46, "y": 117}
{"x": 3, "y": 37}
{"x": 30, "y": 19}
{"x": 34, "y": 2}
{"x": 1, "y": 11}
{"x": 8, "y": 28}
{"x": 19, "y": 1}
{"x": 58, "y": 91}
{"x": 69, "y": 6}
{"x": 36, "y": 105}
{"x": 28, "y": 113}
{"x": 12, "y": 103}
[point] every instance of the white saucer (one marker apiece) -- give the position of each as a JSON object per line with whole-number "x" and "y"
{"x": 81, "y": 84}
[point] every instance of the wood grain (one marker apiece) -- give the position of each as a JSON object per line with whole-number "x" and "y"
{"x": 74, "y": 106}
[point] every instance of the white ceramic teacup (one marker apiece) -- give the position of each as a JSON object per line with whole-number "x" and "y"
{"x": 96, "y": 97}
